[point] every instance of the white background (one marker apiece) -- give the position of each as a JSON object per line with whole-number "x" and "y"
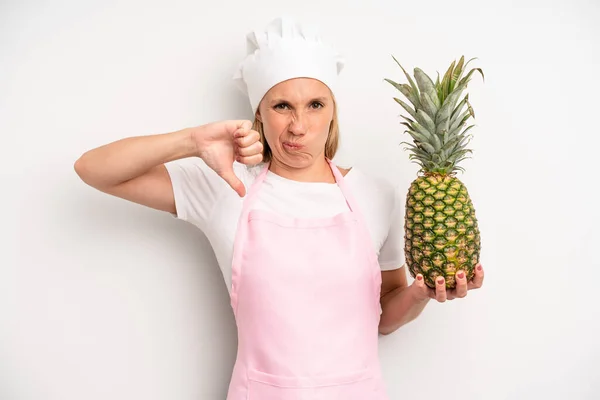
{"x": 103, "y": 299}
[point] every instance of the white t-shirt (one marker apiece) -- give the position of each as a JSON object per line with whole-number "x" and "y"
{"x": 204, "y": 199}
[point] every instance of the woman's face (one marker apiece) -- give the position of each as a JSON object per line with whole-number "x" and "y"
{"x": 296, "y": 115}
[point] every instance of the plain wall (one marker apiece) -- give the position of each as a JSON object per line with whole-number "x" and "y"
{"x": 104, "y": 299}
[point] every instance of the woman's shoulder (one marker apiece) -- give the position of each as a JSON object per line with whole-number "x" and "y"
{"x": 373, "y": 189}
{"x": 380, "y": 203}
{"x": 358, "y": 176}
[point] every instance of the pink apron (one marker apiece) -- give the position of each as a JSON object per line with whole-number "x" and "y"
{"x": 305, "y": 295}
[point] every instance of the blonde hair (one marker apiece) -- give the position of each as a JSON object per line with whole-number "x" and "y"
{"x": 331, "y": 145}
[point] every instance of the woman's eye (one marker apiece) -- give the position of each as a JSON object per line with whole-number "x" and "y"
{"x": 283, "y": 106}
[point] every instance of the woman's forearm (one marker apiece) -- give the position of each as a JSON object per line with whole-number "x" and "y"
{"x": 399, "y": 307}
{"x": 117, "y": 162}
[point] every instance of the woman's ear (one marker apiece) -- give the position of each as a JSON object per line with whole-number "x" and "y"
{"x": 257, "y": 116}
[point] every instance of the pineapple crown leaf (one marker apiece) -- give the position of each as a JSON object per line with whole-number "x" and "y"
{"x": 424, "y": 82}
{"x": 438, "y": 116}
{"x": 412, "y": 83}
{"x": 406, "y": 107}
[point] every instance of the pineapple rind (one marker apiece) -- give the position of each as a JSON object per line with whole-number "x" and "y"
{"x": 442, "y": 246}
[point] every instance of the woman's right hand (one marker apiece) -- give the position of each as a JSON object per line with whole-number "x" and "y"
{"x": 221, "y": 143}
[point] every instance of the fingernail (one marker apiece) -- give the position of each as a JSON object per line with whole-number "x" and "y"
{"x": 479, "y": 268}
{"x": 441, "y": 281}
{"x": 460, "y": 275}
{"x": 419, "y": 277}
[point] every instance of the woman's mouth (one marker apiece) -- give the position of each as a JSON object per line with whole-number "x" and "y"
{"x": 292, "y": 146}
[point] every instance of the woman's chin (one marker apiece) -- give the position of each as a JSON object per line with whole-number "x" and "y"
{"x": 295, "y": 159}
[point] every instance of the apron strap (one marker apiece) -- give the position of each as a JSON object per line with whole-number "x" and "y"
{"x": 339, "y": 178}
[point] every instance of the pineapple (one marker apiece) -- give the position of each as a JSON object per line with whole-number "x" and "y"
{"x": 441, "y": 230}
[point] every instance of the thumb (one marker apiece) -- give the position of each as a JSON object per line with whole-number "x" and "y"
{"x": 232, "y": 180}
{"x": 243, "y": 125}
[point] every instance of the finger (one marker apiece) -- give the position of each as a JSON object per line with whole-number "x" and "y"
{"x": 421, "y": 288}
{"x": 233, "y": 181}
{"x": 440, "y": 289}
{"x": 461, "y": 284}
{"x": 245, "y": 139}
{"x": 253, "y": 149}
{"x": 250, "y": 160}
{"x": 477, "y": 281}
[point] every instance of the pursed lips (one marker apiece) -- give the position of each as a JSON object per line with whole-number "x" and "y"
{"x": 293, "y": 146}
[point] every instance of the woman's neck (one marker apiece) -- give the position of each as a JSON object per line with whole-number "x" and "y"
{"x": 319, "y": 171}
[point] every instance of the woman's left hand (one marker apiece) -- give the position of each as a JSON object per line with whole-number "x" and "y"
{"x": 440, "y": 293}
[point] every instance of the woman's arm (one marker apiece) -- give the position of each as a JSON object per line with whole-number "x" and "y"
{"x": 399, "y": 304}
{"x": 402, "y": 303}
{"x": 133, "y": 168}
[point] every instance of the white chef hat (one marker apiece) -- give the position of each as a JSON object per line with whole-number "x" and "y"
{"x": 285, "y": 49}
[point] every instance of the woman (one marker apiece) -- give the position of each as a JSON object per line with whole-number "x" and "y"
{"x": 311, "y": 253}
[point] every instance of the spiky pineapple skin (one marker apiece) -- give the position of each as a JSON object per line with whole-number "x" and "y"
{"x": 441, "y": 230}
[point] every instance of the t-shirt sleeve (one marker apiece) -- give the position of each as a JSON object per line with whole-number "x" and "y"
{"x": 196, "y": 188}
{"x": 391, "y": 254}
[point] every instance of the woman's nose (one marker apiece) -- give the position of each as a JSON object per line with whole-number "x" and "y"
{"x": 298, "y": 125}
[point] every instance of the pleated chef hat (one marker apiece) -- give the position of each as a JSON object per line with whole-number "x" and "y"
{"x": 285, "y": 49}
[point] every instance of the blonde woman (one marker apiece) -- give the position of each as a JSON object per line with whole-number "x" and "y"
{"x": 311, "y": 253}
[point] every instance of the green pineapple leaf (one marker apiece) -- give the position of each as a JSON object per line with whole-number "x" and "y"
{"x": 412, "y": 83}
{"x": 421, "y": 129}
{"x": 456, "y": 74}
{"x": 458, "y": 108}
{"x": 461, "y": 159}
{"x": 451, "y": 143}
{"x": 428, "y": 105}
{"x": 410, "y": 121}
{"x": 449, "y": 103}
{"x": 426, "y": 85}
{"x": 438, "y": 87}
{"x": 443, "y": 156}
{"x": 445, "y": 88}
{"x": 417, "y": 137}
{"x": 406, "y": 124}
{"x": 412, "y": 147}
{"x": 467, "y": 78}
{"x": 429, "y": 148}
{"x": 467, "y": 129}
{"x": 407, "y": 91}
{"x": 443, "y": 126}
{"x": 391, "y": 82}
{"x": 406, "y": 107}
{"x": 438, "y": 117}
{"x": 418, "y": 152}
{"x": 458, "y": 155}
{"x": 458, "y": 120}
{"x": 425, "y": 120}
{"x": 464, "y": 141}
{"x": 471, "y": 111}
{"x": 445, "y": 136}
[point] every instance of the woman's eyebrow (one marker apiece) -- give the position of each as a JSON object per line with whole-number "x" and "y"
{"x": 281, "y": 100}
